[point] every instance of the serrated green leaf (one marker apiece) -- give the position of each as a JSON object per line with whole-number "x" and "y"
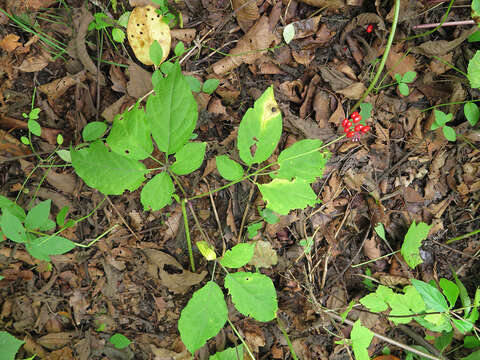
{"x": 37, "y": 217}
{"x": 238, "y": 256}
{"x": 409, "y": 76}
{"x": 130, "y": 135}
{"x": 473, "y": 71}
{"x": 118, "y": 35}
{"x": 374, "y": 303}
{"x": 288, "y": 33}
{"x": 472, "y": 113}
{"x": 157, "y": 193}
{"x": 253, "y": 295}
{"x": 303, "y": 160}
{"x": 431, "y": 295}
{"x": 172, "y": 111}
{"x": 284, "y": 195}
{"x": 14, "y": 209}
{"x": 12, "y": 227}
{"x": 106, "y": 171}
{"x": 210, "y": 85}
{"x": 228, "y": 168}
{"x": 41, "y": 248}
{"x": 94, "y": 131}
{"x": 260, "y": 129}
{"x": 34, "y": 127}
{"x": 449, "y": 133}
{"x": 156, "y": 53}
{"x": 403, "y": 88}
{"x": 450, "y": 290}
{"x": 204, "y": 316}
{"x": 361, "y": 338}
{"x": 9, "y": 345}
{"x": 120, "y": 341}
{"x": 189, "y": 158}
{"x": 411, "y": 244}
{"x": 235, "y": 353}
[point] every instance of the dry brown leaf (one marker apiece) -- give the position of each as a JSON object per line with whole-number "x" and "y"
{"x": 398, "y": 63}
{"x": 292, "y": 90}
{"x": 117, "y": 107}
{"x": 306, "y": 27}
{"x": 353, "y": 91}
{"x": 57, "y": 88}
{"x": 371, "y": 248}
{"x": 62, "y": 181}
{"x": 407, "y": 10}
{"x": 144, "y": 27}
{"x": 330, "y": 4}
{"x": 442, "y": 47}
{"x": 178, "y": 282}
{"x": 10, "y": 42}
{"x": 438, "y": 67}
{"x": 33, "y": 348}
{"x": 246, "y": 12}
{"x": 55, "y": 341}
{"x": 335, "y": 78}
{"x": 140, "y": 81}
{"x": 321, "y": 106}
{"x": 249, "y": 48}
{"x": 303, "y": 56}
{"x": 264, "y": 255}
{"x": 185, "y": 35}
{"x": 34, "y": 63}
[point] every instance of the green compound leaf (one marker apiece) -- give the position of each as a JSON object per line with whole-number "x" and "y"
{"x": 288, "y": 33}
{"x": 210, "y": 85}
{"x": 130, "y": 135}
{"x": 228, "y": 168}
{"x": 204, "y": 316}
{"x": 37, "y": 217}
{"x": 284, "y": 195}
{"x": 234, "y": 353}
{"x": 189, "y": 158}
{"x": 403, "y": 88}
{"x": 302, "y": 160}
{"x": 12, "y": 227}
{"x": 42, "y": 247}
{"x": 34, "y": 127}
{"x": 106, "y": 171}
{"x": 260, "y": 129}
{"x": 94, "y": 130}
{"x": 14, "y": 209}
{"x": 473, "y": 70}
{"x": 449, "y": 133}
{"x": 361, "y": 338}
{"x": 253, "y": 295}
{"x": 430, "y": 294}
{"x": 413, "y": 240}
{"x": 409, "y": 76}
{"x": 450, "y": 290}
{"x": 172, "y": 111}
{"x": 157, "y": 193}
{"x": 9, "y": 345}
{"x": 120, "y": 341}
{"x": 471, "y": 113}
{"x": 238, "y": 256}
{"x": 118, "y": 35}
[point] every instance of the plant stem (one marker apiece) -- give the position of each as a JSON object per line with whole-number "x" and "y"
{"x": 450, "y": 23}
{"x": 289, "y": 343}
{"x": 461, "y": 237}
{"x": 384, "y": 57}
{"x": 187, "y": 234}
{"x": 241, "y": 339}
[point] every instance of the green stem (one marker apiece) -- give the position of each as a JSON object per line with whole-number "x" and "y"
{"x": 289, "y": 343}
{"x": 464, "y": 236}
{"x": 241, "y": 339}
{"x": 384, "y": 57}
{"x": 187, "y": 234}
{"x": 450, "y": 103}
{"x": 451, "y": 65}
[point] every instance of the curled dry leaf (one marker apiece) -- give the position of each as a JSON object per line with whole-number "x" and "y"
{"x": 292, "y": 90}
{"x": 442, "y": 47}
{"x": 330, "y": 4}
{"x": 144, "y": 27}
{"x": 306, "y": 27}
{"x": 246, "y": 12}
{"x": 249, "y": 48}
{"x": 57, "y": 88}
{"x": 399, "y": 63}
{"x": 178, "y": 282}
{"x": 353, "y": 91}
{"x": 10, "y": 42}
{"x": 264, "y": 255}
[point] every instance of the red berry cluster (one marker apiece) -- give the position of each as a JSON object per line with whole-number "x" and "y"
{"x": 352, "y": 127}
{"x": 369, "y": 28}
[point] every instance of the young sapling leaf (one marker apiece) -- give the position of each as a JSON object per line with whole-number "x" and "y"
{"x": 157, "y": 193}
{"x": 123, "y": 19}
{"x": 228, "y": 168}
{"x": 61, "y": 216}
{"x": 403, "y": 88}
{"x": 118, "y": 35}
{"x": 431, "y": 295}
{"x": 94, "y": 130}
{"x": 449, "y": 133}
{"x": 64, "y": 155}
{"x": 189, "y": 158}
{"x": 37, "y": 217}
{"x": 34, "y": 127}
{"x": 253, "y": 229}
{"x": 206, "y": 250}
{"x": 238, "y": 256}
{"x": 156, "y": 53}
{"x": 119, "y": 341}
{"x": 409, "y": 77}
{"x": 380, "y": 230}
{"x": 42, "y": 247}
{"x": 398, "y": 77}
{"x": 229, "y": 354}
{"x": 59, "y": 139}
{"x": 473, "y": 71}
{"x": 12, "y": 227}
{"x": 179, "y": 49}
{"x": 25, "y": 140}
{"x": 450, "y": 290}
{"x": 195, "y": 84}
{"x": 472, "y": 113}
{"x": 269, "y": 216}
{"x": 210, "y": 85}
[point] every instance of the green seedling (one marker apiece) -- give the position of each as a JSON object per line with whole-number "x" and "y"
{"x": 402, "y": 81}
{"x": 119, "y": 341}
{"x": 441, "y": 120}
{"x": 170, "y": 17}
{"x": 102, "y": 22}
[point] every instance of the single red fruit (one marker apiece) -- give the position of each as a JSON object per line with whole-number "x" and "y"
{"x": 369, "y": 28}
{"x": 345, "y": 122}
{"x": 358, "y": 127}
{"x": 346, "y": 129}
{"x": 365, "y": 129}
{"x": 350, "y": 134}
{"x": 355, "y": 113}
{"x": 356, "y": 119}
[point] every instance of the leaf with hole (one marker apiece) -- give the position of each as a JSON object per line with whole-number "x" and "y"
{"x": 130, "y": 135}
{"x": 204, "y": 316}
{"x": 157, "y": 193}
{"x": 253, "y": 295}
{"x": 189, "y": 158}
{"x": 260, "y": 129}
{"x": 106, "y": 171}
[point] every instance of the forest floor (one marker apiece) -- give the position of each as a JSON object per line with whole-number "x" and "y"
{"x": 136, "y": 279}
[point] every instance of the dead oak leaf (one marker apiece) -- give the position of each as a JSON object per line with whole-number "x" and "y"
{"x": 10, "y": 42}
{"x": 399, "y": 63}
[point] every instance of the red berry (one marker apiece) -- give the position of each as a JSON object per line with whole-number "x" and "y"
{"x": 346, "y": 129}
{"x": 350, "y": 134}
{"x": 355, "y": 113}
{"x": 369, "y": 28}
{"x": 365, "y": 129}
{"x": 356, "y": 119}
{"x": 345, "y": 122}
{"x": 358, "y": 127}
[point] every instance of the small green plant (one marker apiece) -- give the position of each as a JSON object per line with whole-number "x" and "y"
{"x": 169, "y": 16}
{"x": 403, "y": 81}
{"x": 9, "y": 345}
{"x": 120, "y": 341}
{"x": 102, "y": 22}
{"x": 441, "y": 119}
